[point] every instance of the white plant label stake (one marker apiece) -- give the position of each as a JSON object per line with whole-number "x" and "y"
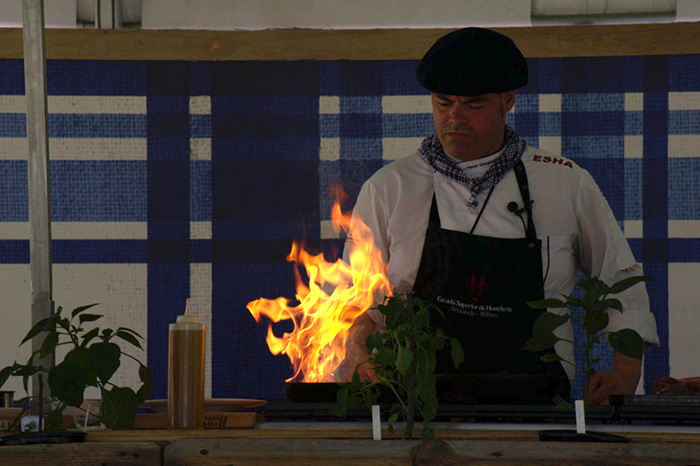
{"x": 376, "y": 423}
{"x": 580, "y": 417}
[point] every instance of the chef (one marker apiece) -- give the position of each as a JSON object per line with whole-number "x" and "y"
{"x": 480, "y": 223}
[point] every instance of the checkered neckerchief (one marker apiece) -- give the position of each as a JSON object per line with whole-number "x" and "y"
{"x": 432, "y": 152}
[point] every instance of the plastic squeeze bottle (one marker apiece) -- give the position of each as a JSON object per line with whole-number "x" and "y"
{"x": 186, "y": 372}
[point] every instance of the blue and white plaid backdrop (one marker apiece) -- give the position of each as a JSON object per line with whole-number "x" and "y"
{"x": 177, "y": 179}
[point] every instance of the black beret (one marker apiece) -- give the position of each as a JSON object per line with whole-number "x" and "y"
{"x": 472, "y": 61}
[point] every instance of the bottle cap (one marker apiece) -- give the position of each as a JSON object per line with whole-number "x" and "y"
{"x": 188, "y": 317}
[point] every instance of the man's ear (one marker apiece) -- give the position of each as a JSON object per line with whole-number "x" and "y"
{"x": 508, "y": 101}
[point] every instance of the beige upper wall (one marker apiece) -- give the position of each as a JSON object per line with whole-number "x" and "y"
{"x": 307, "y": 29}
{"x": 376, "y": 44}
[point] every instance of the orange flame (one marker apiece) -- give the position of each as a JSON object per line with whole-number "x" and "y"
{"x": 337, "y": 294}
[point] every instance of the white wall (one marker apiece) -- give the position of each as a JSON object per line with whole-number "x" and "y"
{"x": 361, "y": 14}
{"x": 331, "y": 14}
{"x": 57, "y": 13}
{"x": 321, "y": 14}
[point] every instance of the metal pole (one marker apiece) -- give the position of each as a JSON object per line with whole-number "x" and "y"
{"x": 116, "y": 14}
{"x": 98, "y": 15}
{"x": 38, "y": 170}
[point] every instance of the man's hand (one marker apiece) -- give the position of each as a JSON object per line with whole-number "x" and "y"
{"x": 621, "y": 379}
{"x": 356, "y": 355}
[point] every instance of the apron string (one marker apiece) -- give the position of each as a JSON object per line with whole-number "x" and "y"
{"x": 435, "y": 214}
{"x": 521, "y": 176}
{"x": 478, "y": 217}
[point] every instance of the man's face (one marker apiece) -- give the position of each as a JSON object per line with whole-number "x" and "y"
{"x": 471, "y": 127}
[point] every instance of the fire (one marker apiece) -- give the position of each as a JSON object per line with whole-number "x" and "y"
{"x": 336, "y": 294}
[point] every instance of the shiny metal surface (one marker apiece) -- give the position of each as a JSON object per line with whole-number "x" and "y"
{"x": 38, "y": 167}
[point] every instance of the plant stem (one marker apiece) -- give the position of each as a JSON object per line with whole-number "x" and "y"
{"x": 589, "y": 357}
{"x": 397, "y": 396}
{"x": 411, "y": 409}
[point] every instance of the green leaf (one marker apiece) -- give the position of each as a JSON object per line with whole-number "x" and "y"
{"x": 627, "y": 342}
{"x": 612, "y": 303}
{"x": 145, "y": 390}
{"x": 82, "y": 357}
{"x": 422, "y": 317}
{"x": 622, "y": 285}
{"x": 391, "y": 421}
{"x": 44, "y": 325}
{"x": 49, "y": 344}
{"x": 340, "y": 408}
{"x": 68, "y": 381}
{"x": 82, "y": 318}
{"x": 543, "y": 336}
{"x": 26, "y": 371}
{"x": 597, "y": 306}
{"x": 90, "y": 336}
{"x": 573, "y": 302}
{"x": 429, "y": 405}
{"x": 595, "y": 320}
{"x": 5, "y": 374}
{"x": 425, "y": 377}
{"x": 384, "y": 356}
{"x": 593, "y": 287}
{"x": 374, "y": 341}
{"x": 548, "y": 321}
{"x": 550, "y": 357}
{"x": 133, "y": 332}
{"x": 370, "y": 398}
{"x": 80, "y": 309}
{"x": 105, "y": 358}
{"x": 404, "y": 359}
{"x": 118, "y": 407}
{"x": 546, "y": 303}
{"x": 128, "y": 337}
{"x": 431, "y": 342}
{"x": 25, "y": 383}
{"x": 395, "y": 311}
{"x": 356, "y": 378}
{"x": 64, "y": 324}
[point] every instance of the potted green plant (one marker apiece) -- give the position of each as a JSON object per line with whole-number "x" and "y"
{"x": 91, "y": 361}
{"x": 591, "y": 312}
{"x": 403, "y": 358}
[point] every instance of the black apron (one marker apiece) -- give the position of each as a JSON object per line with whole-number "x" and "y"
{"x": 481, "y": 285}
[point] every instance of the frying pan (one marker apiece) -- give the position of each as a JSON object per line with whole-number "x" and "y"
{"x": 311, "y": 392}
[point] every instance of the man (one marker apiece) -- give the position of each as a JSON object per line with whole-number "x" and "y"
{"x": 480, "y": 223}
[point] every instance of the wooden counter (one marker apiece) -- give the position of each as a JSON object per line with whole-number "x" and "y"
{"x": 340, "y": 447}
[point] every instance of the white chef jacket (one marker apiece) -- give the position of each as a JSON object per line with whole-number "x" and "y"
{"x": 571, "y": 216}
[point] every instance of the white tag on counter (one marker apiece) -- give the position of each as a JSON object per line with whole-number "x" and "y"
{"x": 376, "y": 423}
{"x": 580, "y": 417}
